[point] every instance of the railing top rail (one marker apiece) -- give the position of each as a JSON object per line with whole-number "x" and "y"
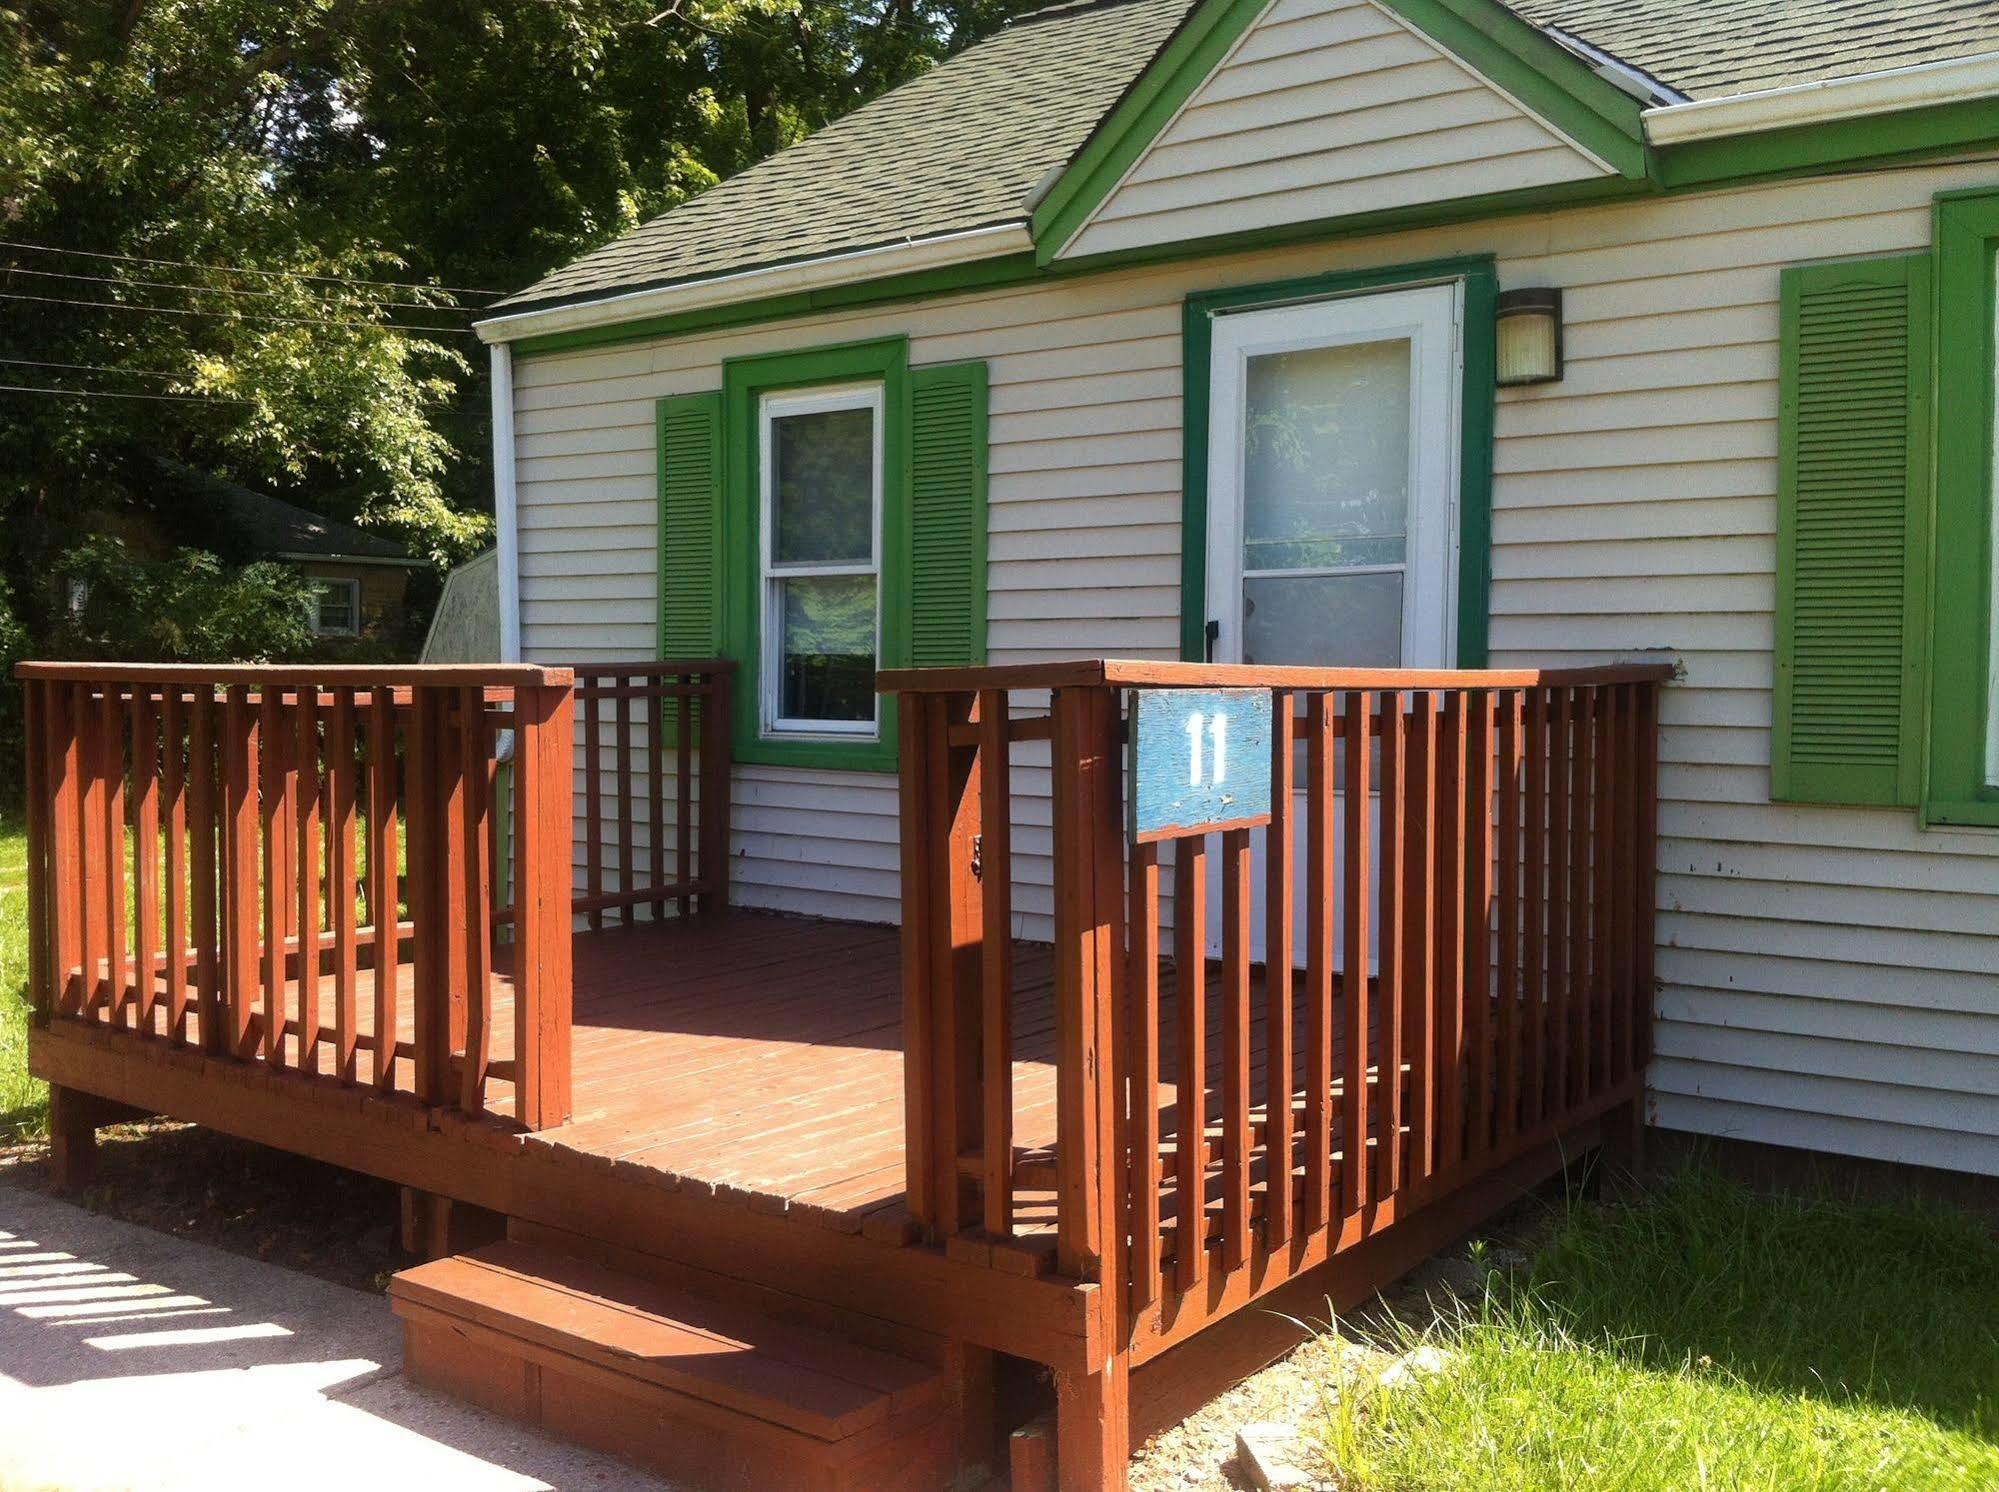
{"x": 331, "y": 675}
{"x": 1133, "y": 672}
{"x": 651, "y": 668}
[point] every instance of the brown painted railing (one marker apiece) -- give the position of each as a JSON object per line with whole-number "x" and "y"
{"x": 300, "y": 867}
{"x": 641, "y": 712}
{"x": 1481, "y": 843}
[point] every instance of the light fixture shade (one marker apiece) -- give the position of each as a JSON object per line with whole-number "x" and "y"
{"x": 1530, "y": 336}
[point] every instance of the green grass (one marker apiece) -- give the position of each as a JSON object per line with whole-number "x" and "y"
{"x": 23, "y": 1100}
{"x": 1705, "y": 1337}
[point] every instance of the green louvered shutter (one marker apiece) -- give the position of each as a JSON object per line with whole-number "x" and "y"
{"x": 690, "y": 519}
{"x": 1852, "y": 531}
{"x": 947, "y": 515}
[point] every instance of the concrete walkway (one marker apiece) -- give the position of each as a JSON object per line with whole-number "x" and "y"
{"x": 134, "y": 1360}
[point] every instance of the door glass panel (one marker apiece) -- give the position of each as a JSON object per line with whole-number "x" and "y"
{"x": 822, "y": 499}
{"x": 1350, "y": 621}
{"x": 827, "y": 648}
{"x": 1326, "y": 457}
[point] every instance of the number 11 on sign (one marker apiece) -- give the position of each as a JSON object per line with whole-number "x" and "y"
{"x": 1217, "y": 727}
{"x": 1200, "y": 761}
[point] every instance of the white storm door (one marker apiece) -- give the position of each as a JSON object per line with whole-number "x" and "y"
{"x": 1333, "y": 451}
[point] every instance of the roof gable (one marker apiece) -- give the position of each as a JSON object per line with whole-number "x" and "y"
{"x": 1324, "y": 109}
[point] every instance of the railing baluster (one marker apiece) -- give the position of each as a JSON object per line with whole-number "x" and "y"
{"x": 342, "y": 790}
{"x": 241, "y": 773}
{"x": 1645, "y": 849}
{"x": 146, "y": 888}
{"x": 1142, "y": 983}
{"x": 306, "y": 821}
{"x": 684, "y": 751}
{"x": 1320, "y": 725}
{"x": 1624, "y": 878}
{"x": 1354, "y": 993}
{"x": 593, "y": 802}
{"x": 1392, "y": 869}
{"x": 1561, "y": 895}
{"x": 1235, "y": 1048}
{"x": 382, "y": 881}
{"x": 276, "y": 797}
{"x": 41, "y": 871}
{"x": 1535, "y": 715}
{"x": 1454, "y": 749}
{"x": 716, "y": 712}
{"x": 112, "y": 742}
{"x": 1419, "y": 961}
{"x": 656, "y": 800}
{"x": 175, "y": 934}
{"x": 1508, "y": 983}
{"x": 1477, "y": 923}
{"x": 473, "y": 927}
{"x": 627, "y": 851}
{"x": 1190, "y": 1092}
{"x": 64, "y": 751}
{"x": 1603, "y": 957}
{"x": 996, "y": 977}
{"x": 1279, "y": 846}
{"x": 205, "y": 808}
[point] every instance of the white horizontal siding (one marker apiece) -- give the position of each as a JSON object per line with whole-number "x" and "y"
{"x": 1326, "y": 109}
{"x": 1829, "y": 977}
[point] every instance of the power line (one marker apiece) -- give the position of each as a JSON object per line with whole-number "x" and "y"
{"x": 112, "y": 305}
{"x": 32, "y": 388}
{"x": 57, "y": 274}
{"x": 24, "y": 362}
{"x": 231, "y": 269}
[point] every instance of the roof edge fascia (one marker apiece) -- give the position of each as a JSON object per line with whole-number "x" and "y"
{"x": 1892, "y": 90}
{"x": 805, "y": 275}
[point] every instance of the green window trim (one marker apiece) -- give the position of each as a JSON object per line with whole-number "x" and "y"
{"x": 744, "y": 382}
{"x": 1477, "y": 407}
{"x": 1967, "y": 240}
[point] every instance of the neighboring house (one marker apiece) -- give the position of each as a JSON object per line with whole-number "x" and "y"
{"x": 361, "y": 578}
{"x": 1418, "y": 332}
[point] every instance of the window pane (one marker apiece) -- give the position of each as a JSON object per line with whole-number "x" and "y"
{"x": 1326, "y": 459}
{"x": 827, "y": 648}
{"x": 1326, "y": 621}
{"x": 822, "y": 487}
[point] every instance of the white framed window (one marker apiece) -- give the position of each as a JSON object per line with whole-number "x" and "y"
{"x": 336, "y": 608}
{"x": 819, "y": 536}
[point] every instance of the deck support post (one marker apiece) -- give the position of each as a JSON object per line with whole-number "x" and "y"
{"x": 435, "y": 1226}
{"x": 72, "y": 1138}
{"x": 1093, "y": 1428}
{"x": 1623, "y": 1157}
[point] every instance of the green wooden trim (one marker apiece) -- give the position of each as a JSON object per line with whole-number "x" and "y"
{"x": 1807, "y": 148}
{"x": 1839, "y": 399}
{"x": 1967, "y": 240}
{"x": 744, "y": 381}
{"x": 1518, "y": 58}
{"x": 1194, "y": 50}
{"x": 1479, "y": 396}
{"x": 922, "y": 284}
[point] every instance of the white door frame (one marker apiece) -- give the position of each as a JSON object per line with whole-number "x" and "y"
{"x": 1431, "y": 319}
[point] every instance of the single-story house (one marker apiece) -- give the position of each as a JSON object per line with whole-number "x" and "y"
{"x": 1402, "y": 332}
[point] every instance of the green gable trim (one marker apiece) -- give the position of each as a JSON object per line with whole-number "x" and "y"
{"x": 1852, "y": 532}
{"x": 744, "y": 381}
{"x": 1477, "y": 407}
{"x": 1513, "y": 55}
{"x": 1967, "y": 241}
{"x": 1909, "y": 134}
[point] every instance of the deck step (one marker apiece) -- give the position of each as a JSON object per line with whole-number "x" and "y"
{"x": 709, "y": 1392}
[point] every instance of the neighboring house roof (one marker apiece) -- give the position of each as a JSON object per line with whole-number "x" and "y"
{"x": 975, "y": 143}
{"x": 255, "y": 523}
{"x": 1713, "y": 48}
{"x": 961, "y": 147}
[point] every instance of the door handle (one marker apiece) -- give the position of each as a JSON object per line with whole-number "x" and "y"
{"x": 1213, "y": 631}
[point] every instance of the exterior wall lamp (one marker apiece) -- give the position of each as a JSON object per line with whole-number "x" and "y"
{"x": 1530, "y": 337}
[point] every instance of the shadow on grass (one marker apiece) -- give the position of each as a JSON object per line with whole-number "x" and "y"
{"x": 1894, "y": 1304}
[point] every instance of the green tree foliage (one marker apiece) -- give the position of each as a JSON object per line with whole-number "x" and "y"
{"x": 285, "y": 188}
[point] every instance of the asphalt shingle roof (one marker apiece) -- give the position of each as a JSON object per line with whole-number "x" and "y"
{"x": 1713, "y": 48}
{"x": 958, "y": 148}
{"x": 965, "y": 145}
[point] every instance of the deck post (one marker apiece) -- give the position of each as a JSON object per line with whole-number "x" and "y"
{"x": 713, "y": 854}
{"x": 941, "y": 958}
{"x": 72, "y": 1138}
{"x": 545, "y": 756}
{"x": 1093, "y": 1428}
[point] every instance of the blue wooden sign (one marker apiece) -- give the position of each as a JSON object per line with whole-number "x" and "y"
{"x": 1200, "y": 761}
